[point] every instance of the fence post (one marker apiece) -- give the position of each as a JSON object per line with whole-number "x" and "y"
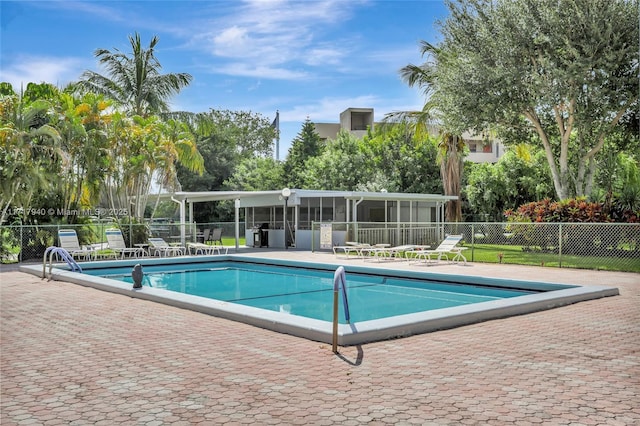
{"x": 473, "y": 239}
{"x": 560, "y": 245}
{"x": 21, "y": 240}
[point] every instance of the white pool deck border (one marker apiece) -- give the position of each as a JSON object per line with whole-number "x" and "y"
{"x": 557, "y": 294}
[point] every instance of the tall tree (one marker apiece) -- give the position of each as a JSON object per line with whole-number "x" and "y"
{"x": 134, "y": 80}
{"x": 451, "y": 167}
{"x": 145, "y": 149}
{"x": 565, "y": 70}
{"x": 406, "y": 159}
{"x": 451, "y": 146}
{"x": 306, "y": 144}
{"x": 257, "y": 174}
{"x": 29, "y": 150}
{"x": 343, "y": 165}
{"x": 83, "y": 129}
{"x": 514, "y": 180}
{"x": 226, "y": 139}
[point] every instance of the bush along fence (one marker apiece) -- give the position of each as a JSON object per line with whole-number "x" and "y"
{"x": 27, "y": 243}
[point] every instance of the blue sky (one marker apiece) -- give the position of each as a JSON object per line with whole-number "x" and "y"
{"x": 304, "y": 58}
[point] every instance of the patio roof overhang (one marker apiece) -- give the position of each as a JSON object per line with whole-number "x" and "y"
{"x": 271, "y": 198}
{"x": 244, "y": 199}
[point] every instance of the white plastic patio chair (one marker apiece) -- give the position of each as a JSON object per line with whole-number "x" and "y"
{"x": 115, "y": 239}
{"x": 68, "y": 239}
{"x": 447, "y": 246}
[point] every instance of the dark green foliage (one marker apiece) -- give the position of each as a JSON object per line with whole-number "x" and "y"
{"x": 307, "y": 144}
{"x": 512, "y": 181}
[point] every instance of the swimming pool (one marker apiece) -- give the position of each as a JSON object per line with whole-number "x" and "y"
{"x": 309, "y": 292}
{"x": 384, "y": 304}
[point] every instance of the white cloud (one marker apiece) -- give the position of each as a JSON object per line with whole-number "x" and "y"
{"x": 328, "y": 109}
{"x": 37, "y": 69}
{"x": 243, "y": 69}
{"x": 280, "y": 35}
{"x": 231, "y": 42}
{"x": 324, "y": 56}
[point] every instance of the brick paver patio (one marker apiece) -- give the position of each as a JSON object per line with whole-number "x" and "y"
{"x": 72, "y": 355}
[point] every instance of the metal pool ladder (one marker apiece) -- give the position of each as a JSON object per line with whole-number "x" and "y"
{"x": 64, "y": 254}
{"x": 339, "y": 281}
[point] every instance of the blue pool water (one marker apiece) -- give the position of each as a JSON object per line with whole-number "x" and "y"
{"x": 309, "y": 292}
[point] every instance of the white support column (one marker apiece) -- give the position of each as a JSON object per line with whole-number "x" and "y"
{"x": 192, "y": 226}
{"x": 295, "y": 225}
{"x": 183, "y": 219}
{"x": 237, "y": 205}
{"x": 398, "y": 220}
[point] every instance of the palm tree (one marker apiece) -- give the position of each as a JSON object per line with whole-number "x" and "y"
{"x": 134, "y": 81}
{"x": 28, "y": 151}
{"x": 141, "y": 149}
{"x": 451, "y": 146}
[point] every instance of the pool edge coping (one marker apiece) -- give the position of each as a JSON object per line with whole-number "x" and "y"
{"x": 348, "y": 334}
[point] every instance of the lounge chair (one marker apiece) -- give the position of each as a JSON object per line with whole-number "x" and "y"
{"x": 117, "y": 244}
{"x": 160, "y": 247}
{"x": 204, "y": 235}
{"x": 200, "y": 248}
{"x": 447, "y": 246}
{"x": 68, "y": 239}
{"x": 215, "y": 236}
{"x": 397, "y": 252}
{"x": 351, "y": 247}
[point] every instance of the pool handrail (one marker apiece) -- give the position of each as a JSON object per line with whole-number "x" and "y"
{"x": 64, "y": 254}
{"x": 339, "y": 281}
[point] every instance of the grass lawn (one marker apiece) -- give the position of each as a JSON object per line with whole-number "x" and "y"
{"x": 489, "y": 253}
{"x": 230, "y": 241}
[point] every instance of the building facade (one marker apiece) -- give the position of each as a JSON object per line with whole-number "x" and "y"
{"x": 357, "y": 120}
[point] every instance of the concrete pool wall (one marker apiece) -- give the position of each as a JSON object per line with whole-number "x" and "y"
{"x": 551, "y": 296}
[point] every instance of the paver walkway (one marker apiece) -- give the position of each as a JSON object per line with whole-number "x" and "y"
{"x": 72, "y": 355}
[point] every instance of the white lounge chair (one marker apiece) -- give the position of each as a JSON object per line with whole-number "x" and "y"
{"x": 447, "y": 246}
{"x": 396, "y": 252}
{"x": 349, "y": 248}
{"x": 160, "y": 247}
{"x": 115, "y": 239}
{"x": 68, "y": 239}
{"x": 200, "y": 248}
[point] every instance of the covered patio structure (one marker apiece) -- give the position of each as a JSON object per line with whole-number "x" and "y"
{"x": 291, "y": 217}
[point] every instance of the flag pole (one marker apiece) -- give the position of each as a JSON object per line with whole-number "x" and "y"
{"x": 277, "y": 135}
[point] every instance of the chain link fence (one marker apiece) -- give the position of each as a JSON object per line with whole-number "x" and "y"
{"x": 27, "y": 243}
{"x": 597, "y": 246}
{"x": 602, "y": 246}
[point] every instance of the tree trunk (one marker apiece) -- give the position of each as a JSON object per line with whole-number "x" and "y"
{"x": 451, "y": 167}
